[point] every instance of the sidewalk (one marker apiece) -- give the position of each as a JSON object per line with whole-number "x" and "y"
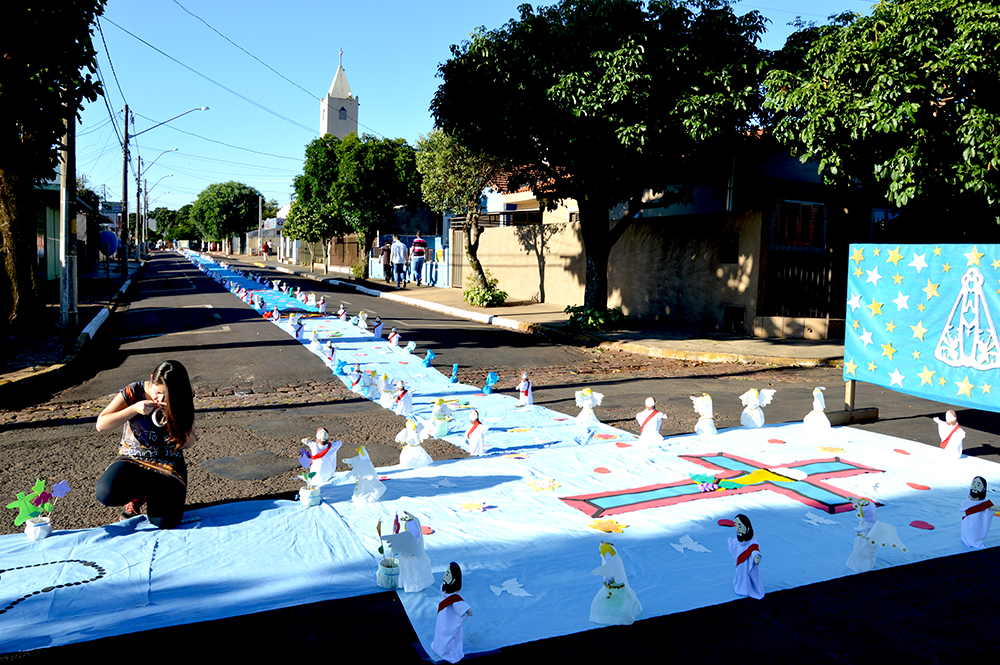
{"x": 549, "y": 320}
{"x": 29, "y": 360}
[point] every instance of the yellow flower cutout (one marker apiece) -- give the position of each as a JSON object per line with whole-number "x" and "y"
{"x": 608, "y": 526}
{"x": 540, "y": 485}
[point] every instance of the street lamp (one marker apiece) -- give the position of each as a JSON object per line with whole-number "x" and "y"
{"x": 124, "y": 238}
{"x": 145, "y": 211}
{"x": 139, "y": 216}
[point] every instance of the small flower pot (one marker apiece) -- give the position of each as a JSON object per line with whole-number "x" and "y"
{"x": 388, "y": 574}
{"x": 38, "y": 528}
{"x": 309, "y": 496}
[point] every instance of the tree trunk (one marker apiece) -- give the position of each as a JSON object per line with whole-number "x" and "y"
{"x": 366, "y": 241}
{"x": 472, "y": 234}
{"x": 598, "y": 239}
{"x": 17, "y": 229}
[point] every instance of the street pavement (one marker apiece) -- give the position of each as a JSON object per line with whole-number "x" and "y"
{"x": 918, "y": 612}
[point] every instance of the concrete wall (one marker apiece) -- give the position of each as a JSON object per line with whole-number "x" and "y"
{"x": 666, "y": 269}
{"x": 671, "y": 269}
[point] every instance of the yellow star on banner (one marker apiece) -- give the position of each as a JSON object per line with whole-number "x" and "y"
{"x": 850, "y": 367}
{"x": 964, "y": 388}
{"x": 890, "y": 327}
{"x": 916, "y": 355}
{"x": 919, "y": 330}
{"x": 974, "y": 256}
{"x": 608, "y": 526}
{"x": 921, "y": 307}
{"x": 858, "y": 272}
{"x": 877, "y": 251}
{"x": 872, "y": 366}
{"x": 897, "y": 279}
{"x": 937, "y": 251}
{"x": 858, "y": 256}
{"x": 987, "y": 388}
{"x": 539, "y": 485}
{"x": 927, "y": 376}
{"x": 996, "y": 263}
{"x": 930, "y": 290}
{"x": 998, "y": 290}
{"x": 887, "y": 350}
{"x": 941, "y": 381}
{"x": 855, "y": 325}
{"x": 894, "y": 257}
{"x": 875, "y": 307}
{"x": 946, "y": 268}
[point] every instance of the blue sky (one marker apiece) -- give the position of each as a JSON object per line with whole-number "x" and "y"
{"x": 264, "y": 107}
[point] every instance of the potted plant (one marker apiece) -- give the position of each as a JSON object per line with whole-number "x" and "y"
{"x": 388, "y": 567}
{"x": 35, "y": 508}
{"x": 308, "y": 495}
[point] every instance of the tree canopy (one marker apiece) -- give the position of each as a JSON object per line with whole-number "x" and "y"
{"x": 315, "y": 214}
{"x": 905, "y": 99}
{"x": 602, "y": 100}
{"x": 225, "y": 209}
{"x": 45, "y": 74}
{"x": 452, "y": 180}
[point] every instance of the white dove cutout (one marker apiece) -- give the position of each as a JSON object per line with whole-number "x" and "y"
{"x": 511, "y": 586}
{"x": 689, "y": 543}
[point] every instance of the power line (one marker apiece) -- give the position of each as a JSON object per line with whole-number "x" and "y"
{"x": 228, "y": 145}
{"x": 311, "y": 95}
{"x": 213, "y": 81}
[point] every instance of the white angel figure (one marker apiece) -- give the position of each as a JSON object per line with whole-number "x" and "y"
{"x": 363, "y": 320}
{"x": 385, "y": 391}
{"x": 413, "y": 455}
{"x": 616, "y": 603}
{"x": 755, "y": 400}
{"x": 441, "y": 417}
{"x": 367, "y": 487}
{"x": 706, "y": 415}
{"x": 817, "y": 419}
{"x": 323, "y": 454}
{"x": 587, "y": 399}
{"x": 408, "y": 548}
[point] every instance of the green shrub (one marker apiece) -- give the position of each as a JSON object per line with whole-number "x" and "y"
{"x": 358, "y": 269}
{"x": 582, "y": 317}
{"x": 477, "y": 296}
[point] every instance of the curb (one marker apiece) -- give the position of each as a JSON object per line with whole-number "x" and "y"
{"x": 572, "y": 337}
{"x": 24, "y": 379}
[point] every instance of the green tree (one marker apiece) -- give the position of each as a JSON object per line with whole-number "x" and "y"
{"x": 225, "y": 209}
{"x": 374, "y": 177}
{"x": 452, "y": 180}
{"x": 904, "y": 99}
{"x": 604, "y": 100}
{"x": 314, "y": 215}
{"x": 43, "y": 82}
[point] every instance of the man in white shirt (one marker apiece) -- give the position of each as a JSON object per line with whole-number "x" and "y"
{"x": 397, "y": 252}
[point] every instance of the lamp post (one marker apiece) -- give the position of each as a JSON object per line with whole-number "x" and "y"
{"x": 139, "y": 212}
{"x": 145, "y": 207}
{"x": 124, "y": 239}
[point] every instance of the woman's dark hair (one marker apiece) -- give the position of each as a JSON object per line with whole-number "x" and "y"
{"x": 179, "y": 405}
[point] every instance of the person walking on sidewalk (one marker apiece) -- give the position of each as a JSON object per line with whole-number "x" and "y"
{"x": 399, "y": 257}
{"x": 418, "y": 252}
{"x": 386, "y": 254}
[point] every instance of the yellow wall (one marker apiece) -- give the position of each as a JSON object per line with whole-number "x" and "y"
{"x": 664, "y": 268}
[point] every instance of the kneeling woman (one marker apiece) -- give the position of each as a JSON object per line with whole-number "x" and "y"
{"x": 157, "y": 421}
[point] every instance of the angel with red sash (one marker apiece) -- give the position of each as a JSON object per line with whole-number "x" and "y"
{"x": 649, "y": 422}
{"x": 977, "y": 515}
{"x": 449, "y": 636}
{"x": 402, "y": 400}
{"x": 475, "y": 436}
{"x": 951, "y": 434}
{"x": 525, "y": 397}
{"x": 747, "y": 554}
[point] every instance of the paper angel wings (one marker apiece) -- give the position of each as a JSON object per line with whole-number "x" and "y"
{"x": 706, "y": 420}
{"x": 754, "y": 400}
{"x": 408, "y": 542}
{"x": 588, "y": 397}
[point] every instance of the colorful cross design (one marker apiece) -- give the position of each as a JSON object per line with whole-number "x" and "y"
{"x": 809, "y": 490}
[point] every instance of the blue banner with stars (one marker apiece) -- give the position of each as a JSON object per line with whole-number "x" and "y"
{"x": 921, "y": 319}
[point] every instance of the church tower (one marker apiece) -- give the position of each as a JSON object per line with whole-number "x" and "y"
{"x": 338, "y": 111}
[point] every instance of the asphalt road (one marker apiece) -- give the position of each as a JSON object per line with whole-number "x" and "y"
{"x": 919, "y": 613}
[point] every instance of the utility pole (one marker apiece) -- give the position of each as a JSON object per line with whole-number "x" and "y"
{"x": 260, "y": 225}
{"x": 124, "y": 220}
{"x": 68, "y": 300}
{"x": 138, "y": 209}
